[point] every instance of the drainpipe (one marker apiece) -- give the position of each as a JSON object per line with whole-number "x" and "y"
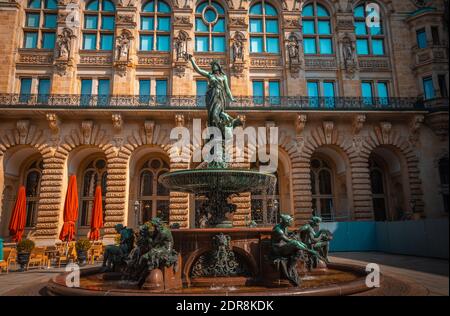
{"x": 1, "y": 249}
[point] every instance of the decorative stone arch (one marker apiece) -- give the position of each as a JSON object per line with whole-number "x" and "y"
{"x": 383, "y": 136}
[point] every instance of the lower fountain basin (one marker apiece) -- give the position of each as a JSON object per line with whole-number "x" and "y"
{"x": 224, "y": 180}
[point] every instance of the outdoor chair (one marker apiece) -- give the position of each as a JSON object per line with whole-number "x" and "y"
{"x": 8, "y": 258}
{"x": 38, "y": 258}
{"x": 95, "y": 253}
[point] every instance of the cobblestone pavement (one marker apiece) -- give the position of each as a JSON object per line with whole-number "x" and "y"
{"x": 419, "y": 276}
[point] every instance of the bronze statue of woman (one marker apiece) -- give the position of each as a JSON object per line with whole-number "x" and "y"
{"x": 217, "y": 96}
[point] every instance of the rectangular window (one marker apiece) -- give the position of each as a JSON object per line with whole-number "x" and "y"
{"x": 362, "y": 47}
{"x": 25, "y": 89}
{"x": 90, "y": 22}
{"x": 164, "y": 24}
{"x": 256, "y": 44}
{"x": 328, "y": 93}
{"x": 201, "y": 43}
{"x": 50, "y": 21}
{"x": 367, "y": 93}
{"x": 107, "y": 22}
{"x": 219, "y": 26}
{"x": 272, "y": 45}
{"x": 202, "y": 87}
{"x": 144, "y": 91}
{"x": 421, "y": 36}
{"x": 48, "y": 40}
{"x": 163, "y": 43}
{"x": 313, "y": 93}
{"x": 147, "y": 23}
{"x": 32, "y": 20}
{"x": 86, "y": 86}
{"x": 326, "y": 46}
{"x": 106, "y": 41}
{"x": 258, "y": 92}
{"x": 161, "y": 91}
{"x": 310, "y": 46}
{"x": 377, "y": 47}
{"x": 146, "y": 42}
{"x": 324, "y": 27}
{"x": 103, "y": 91}
{"x": 435, "y": 35}
{"x": 200, "y": 26}
{"x": 360, "y": 28}
{"x": 218, "y": 44}
{"x": 383, "y": 93}
{"x": 30, "y": 40}
{"x": 89, "y": 41}
{"x": 256, "y": 26}
{"x": 43, "y": 90}
{"x": 274, "y": 92}
{"x": 428, "y": 88}
{"x": 272, "y": 26}
{"x": 376, "y": 30}
{"x": 443, "y": 86}
{"x": 309, "y": 27}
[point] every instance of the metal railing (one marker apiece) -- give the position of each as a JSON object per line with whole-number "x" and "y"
{"x": 67, "y": 101}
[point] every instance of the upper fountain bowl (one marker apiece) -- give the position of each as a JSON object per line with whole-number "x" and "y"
{"x": 225, "y": 180}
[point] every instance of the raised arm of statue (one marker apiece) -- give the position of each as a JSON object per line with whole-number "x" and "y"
{"x": 197, "y": 68}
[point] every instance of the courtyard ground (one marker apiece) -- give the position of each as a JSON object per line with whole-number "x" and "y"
{"x": 418, "y": 275}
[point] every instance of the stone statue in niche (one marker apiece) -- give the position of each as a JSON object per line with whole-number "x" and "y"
{"x": 238, "y": 47}
{"x": 349, "y": 54}
{"x": 123, "y": 46}
{"x": 63, "y": 44}
{"x": 180, "y": 44}
{"x": 293, "y": 49}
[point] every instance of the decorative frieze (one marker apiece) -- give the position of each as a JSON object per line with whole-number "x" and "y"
{"x": 373, "y": 65}
{"x": 182, "y": 21}
{"x": 317, "y": 63}
{"x": 265, "y": 62}
{"x": 95, "y": 59}
{"x": 238, "y": 22}
{"x": 35, "y": 58}
{"x": 154, "y": 60}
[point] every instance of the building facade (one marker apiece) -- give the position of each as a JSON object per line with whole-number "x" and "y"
{"x": 357, "y": 89}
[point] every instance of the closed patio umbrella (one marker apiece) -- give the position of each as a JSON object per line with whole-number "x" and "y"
{"x": 19, "y": 215}
{"x": 70, "y": 211}
{"x": 97, "y": 215}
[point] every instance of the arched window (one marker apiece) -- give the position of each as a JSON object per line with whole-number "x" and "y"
{"x": 369, "y": 38}
{"x": 444, "y": 179}
{"x": 40, "y": 24}
{"x": 94, "y": 174}
{"x": 153, "y": 196}
{"x": 379, "y": 193}
{"x": 210, "y": 27}
{"x": 264, "y": 28}
{"x": 322, "y": 189}
{"x": 317, "y": 30}
{"x": 155, "y": 26}
{"x": 98, "y": 25}
{"x": 32, "y": 188}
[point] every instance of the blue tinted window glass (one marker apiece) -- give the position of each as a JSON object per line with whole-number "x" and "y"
{"x": 326, "y": 46}
{"x": 161, "y": 91}
{"x": 32, "y": 20}
{"x": 428, "y": 88}
{"x": 107, "y": 6}
{"x": 272, "y": 26}
{"x": 256, "y": 26}
{"x": 274, "y": 92}
{"x": 421, "y": 39}
{"x": 107, "y": 22}
{"x": 360, "y": 28}
{"x": 359, "y": 11}
{"x": 210, "y": 15}
{"x": 383, "y": 93}
{"x": 308, "y": 10}
{"x": 362, "y": 47}
{"x": 313, "y": 89}
{"x": 103, "y": 87}
{"x": 201, "y": 7}
{"x": 218, "y": 44}
{"x": 328, "y": 93}
{"x": 219, "y": 26}
{"x": 200, "y": 26}
{"x": 146, "y": 43}
{"x": 163, "y": 43}
{"x": 321, "y": 11}
{"x": 218, "y": 8}
{"x": 35, "y": 4}
{"x": 201, "y": 43}
{"x": 144, "y": 90}
{"x": 310, "y": 46}
{"x": 164, "y": 24}
{"x": 202, "y": 87}
{"x": 324, "y": 27}
{"x": 51, "y": 4}
{"x": 309, "y": 27}
{"x": 90, "y": 22}
{"x": 43, "y": 90}
{"x": 256, "y": 44}
{"x": 256, "y": 9}
{"x": 367, "y": 93}
{"x": 30, "y": 40}
{"x": 89, "y": 41}
{"x": 50, "y": 21}
{"x": 270, "y": 10}
{"x": 149, "y": 7}
{"x": 93, "y": 6}
{"x": 377, "y": 47}
{"x": 272, "y": 45}
{"x": 25, "y": 86}
{"x": 147, "y": 23}
{"x": 376, "y": 30}
{"x": 86, "y": 86}
{"x": 163, "y": 7}
{"x": 258, "y": 92}
{"x": 106, "y": 42}
{"x": 48, "y": 40}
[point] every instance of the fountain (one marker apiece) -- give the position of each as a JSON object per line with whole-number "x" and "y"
{"x": 221, "y": 259}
